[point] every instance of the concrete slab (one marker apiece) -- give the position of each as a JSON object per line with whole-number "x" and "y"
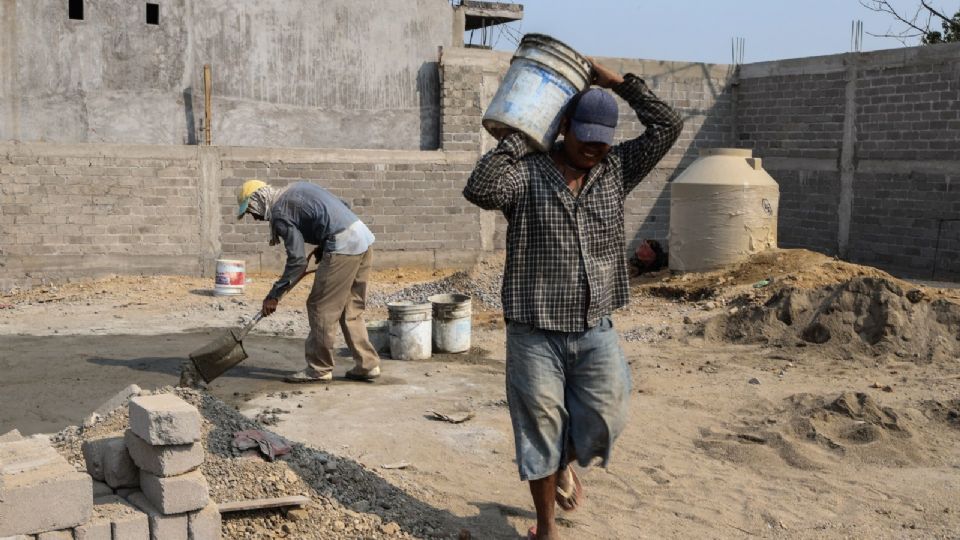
{"x": 205, "y": 523}
{"x": 164, "y": 419}
{"x": 169, "y": 460}
{"x": 162, "y": 527}
{"x": 39, "y": 490}
{"x": 176, "y": 494}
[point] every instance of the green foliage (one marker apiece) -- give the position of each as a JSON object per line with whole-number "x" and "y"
{"x": 950, "y": 34}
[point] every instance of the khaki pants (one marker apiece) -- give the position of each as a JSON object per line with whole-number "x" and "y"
{"x": 338, "y": 298}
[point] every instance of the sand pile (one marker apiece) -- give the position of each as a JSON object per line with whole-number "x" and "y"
{"x": 762, "y": 275}
{"x": 863, "y": 316}
{"x": 816, "y": 432}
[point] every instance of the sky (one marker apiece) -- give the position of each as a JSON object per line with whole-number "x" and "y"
{"x": 701, "y": 30}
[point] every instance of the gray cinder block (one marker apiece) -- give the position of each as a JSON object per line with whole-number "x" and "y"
{"x": 162, "y": 527}
{"x": 119, "y": 471}
{"x": 39, "y": 490}
{"x": 66, "y": 534}
{"x": 205, "y": 523}
{"x": 169, "y": 460}
{"x": 176, "y": 494}
{"x": 164, "y": 419}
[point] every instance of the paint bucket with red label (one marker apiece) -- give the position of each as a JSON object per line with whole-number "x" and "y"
{"x": 231, "y": 276}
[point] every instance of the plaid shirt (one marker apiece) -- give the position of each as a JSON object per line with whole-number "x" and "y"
{"x": 565, "y": 267}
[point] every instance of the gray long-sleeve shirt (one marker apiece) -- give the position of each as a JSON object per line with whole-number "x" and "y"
{"x": 308, "y": 214}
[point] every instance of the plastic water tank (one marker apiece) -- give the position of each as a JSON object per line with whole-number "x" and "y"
{"x": 723, "y": 209}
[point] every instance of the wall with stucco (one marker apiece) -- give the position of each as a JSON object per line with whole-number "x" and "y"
{"x": 286, "y": 73}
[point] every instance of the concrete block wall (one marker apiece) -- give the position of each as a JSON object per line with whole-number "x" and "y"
{"x": 866, "y": 148}
{"x": 73, "y": 210}
{"x": 411, "y": 201}
{"x": 702, "y": 94}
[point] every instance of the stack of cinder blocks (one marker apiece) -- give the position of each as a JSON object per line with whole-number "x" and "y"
{"x": 164, "y": 442}
{"x": 141, "y": 484}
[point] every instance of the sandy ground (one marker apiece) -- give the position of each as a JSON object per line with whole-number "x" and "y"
{"x": 726, "y": 440}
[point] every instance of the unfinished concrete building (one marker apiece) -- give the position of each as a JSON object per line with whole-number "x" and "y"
{"x": 103, "y": 116}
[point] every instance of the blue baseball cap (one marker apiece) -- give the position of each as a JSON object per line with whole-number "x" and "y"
{"x": 594, "y": 116}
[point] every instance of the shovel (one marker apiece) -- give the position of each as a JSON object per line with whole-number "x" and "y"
{"x": 220, "y": 355}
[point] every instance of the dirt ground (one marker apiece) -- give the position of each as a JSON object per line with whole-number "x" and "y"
{"x": 739, "y": 427}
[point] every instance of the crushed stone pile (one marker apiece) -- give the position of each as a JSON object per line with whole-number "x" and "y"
{"x": 348, "y": 501}
{"x": 864, "y": 316}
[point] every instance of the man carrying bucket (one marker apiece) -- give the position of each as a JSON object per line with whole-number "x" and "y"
{"x": 306, "y": 213}
{"x": 567, "y": 380}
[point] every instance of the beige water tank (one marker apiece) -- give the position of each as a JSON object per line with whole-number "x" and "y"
{"x": 723, "y": 209}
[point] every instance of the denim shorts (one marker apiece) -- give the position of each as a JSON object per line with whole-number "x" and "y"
{"x": 568, "y": 394}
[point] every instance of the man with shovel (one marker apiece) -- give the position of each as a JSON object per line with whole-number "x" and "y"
{"x": 306, "y": 213}
{"x": 568, "y": 384}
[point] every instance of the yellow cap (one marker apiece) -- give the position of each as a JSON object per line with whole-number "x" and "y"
{"x": 244, "y": 192}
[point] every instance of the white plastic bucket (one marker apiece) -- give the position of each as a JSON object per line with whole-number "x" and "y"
{"x": 451, "y": 323}
{"x": 379, "y": 334}
{"x": 544, "y": 74}
{"x": 410, "y": 330}
{"x": 230, "y": 277}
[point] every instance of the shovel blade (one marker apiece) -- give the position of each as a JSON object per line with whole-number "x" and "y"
{"x": 218, "y": 356}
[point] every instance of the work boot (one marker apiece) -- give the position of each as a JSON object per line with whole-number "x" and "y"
{"x": 309, "y": 375}
{"x": 358, "y": 374}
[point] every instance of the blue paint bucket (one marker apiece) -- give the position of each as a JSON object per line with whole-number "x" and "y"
{"x": 544, "y": 74}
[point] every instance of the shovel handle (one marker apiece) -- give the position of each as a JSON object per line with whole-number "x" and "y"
{"x": 256, "y": 318}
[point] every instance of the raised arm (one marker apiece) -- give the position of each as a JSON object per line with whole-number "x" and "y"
{"x": 638, "y": 156}
{"x": 496, "y": 182}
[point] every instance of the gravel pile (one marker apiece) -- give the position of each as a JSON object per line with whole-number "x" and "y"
{"x": 481, "y": 283}
{"x": 348, "y": 501}
{"x": 647, "y": 334}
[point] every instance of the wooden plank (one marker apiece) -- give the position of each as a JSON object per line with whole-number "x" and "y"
{"x": 259, "y": 504}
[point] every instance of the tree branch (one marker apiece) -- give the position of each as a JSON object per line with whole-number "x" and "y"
{"x": 935, "y": 12}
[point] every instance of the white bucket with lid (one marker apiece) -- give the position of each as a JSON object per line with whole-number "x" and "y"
{"x": 230, "y": 277}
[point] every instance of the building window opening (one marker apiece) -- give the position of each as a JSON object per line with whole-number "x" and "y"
{"x": 153, "y": 13}
{"x": 75, "y": 9}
